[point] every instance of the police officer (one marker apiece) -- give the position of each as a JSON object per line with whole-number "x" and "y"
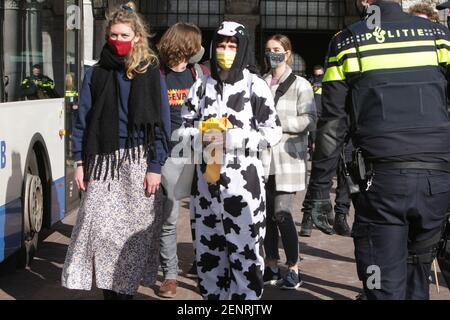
{"x": 444, "y": 254}
{"x": 37, "y": 86}
{"x": 338, "y": 221}
{"x": 390, "y": 78}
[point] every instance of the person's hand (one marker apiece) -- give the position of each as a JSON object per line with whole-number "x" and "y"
{"x": 79, "y": 179}
{"x": 152, "y": 183}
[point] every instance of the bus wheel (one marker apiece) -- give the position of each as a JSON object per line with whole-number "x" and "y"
{"x": 33, "y": 213}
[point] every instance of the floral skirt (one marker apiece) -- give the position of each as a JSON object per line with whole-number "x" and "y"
{"x": 116, "y": 236}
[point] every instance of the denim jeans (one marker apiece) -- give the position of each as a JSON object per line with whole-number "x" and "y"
{"x": 279, "y": 217}
{"x": 168, "y": 254}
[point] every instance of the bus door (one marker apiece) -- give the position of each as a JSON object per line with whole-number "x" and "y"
{"x": 73, "y": 65}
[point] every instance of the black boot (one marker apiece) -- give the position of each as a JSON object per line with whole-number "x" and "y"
{"x": 330, "y": 217}
{"x": 307, "y": 225}
{"x": 341, "y": 226}
{"x": 315, "y": 213}
{"x": 321, "y": 222}
{"x": 319, "y": 212}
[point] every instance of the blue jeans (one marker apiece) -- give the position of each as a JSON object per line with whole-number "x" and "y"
{"x": 171, "y": 209}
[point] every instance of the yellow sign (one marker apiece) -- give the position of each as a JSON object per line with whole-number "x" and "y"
{"x": 220, "y": 124}
{"x": 212, "y": 173}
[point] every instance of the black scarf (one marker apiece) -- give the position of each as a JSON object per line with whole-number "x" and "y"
{"x": 102, "y": 131}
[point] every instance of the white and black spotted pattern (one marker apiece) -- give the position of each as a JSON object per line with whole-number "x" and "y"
{"x": 116, "y": 236}
{"x": 230, "y": 215}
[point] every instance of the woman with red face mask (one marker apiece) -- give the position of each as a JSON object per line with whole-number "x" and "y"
{"x": 119, "y": 144}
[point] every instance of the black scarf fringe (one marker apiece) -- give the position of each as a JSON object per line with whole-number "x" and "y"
{"x": 104, "y": 166}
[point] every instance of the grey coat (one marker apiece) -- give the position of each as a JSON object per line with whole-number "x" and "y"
{"x": 297, "y": 112}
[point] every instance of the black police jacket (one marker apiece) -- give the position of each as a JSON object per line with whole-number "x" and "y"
{"x": 38, "y": 87}
{"x": 392, "y": 82}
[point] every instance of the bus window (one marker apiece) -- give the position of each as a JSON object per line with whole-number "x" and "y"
{"x": 32, "y": 39}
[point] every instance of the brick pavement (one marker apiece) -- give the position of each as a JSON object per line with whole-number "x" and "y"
{"x": 328, "y": 268}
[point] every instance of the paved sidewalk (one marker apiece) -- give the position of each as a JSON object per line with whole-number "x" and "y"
{"x": 328, "y": 268}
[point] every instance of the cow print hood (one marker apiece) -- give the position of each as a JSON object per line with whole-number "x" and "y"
{"x": 232, "y": 29}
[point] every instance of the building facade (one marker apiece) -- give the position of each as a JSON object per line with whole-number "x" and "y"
{"x": 310, "y": 24}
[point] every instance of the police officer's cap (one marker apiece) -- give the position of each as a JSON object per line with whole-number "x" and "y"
{"x": 442, "y": 6}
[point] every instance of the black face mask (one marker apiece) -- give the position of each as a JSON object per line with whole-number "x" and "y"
{"x": 317, "y": 79}
{"x": 274, "y": 59}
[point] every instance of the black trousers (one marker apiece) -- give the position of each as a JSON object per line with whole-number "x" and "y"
{"x": 343, "y": 199}
{"x": 401, "y": 209}
{"x": 279, "y": 217}
{"x": 444, "y": 265}
{"x": 444, "y": 260}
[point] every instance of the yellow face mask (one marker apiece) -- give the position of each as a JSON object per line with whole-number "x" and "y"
{"x": 225, "y": 59}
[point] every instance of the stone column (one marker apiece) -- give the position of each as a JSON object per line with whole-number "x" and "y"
{"x": 351, "y": 15}
{"x": 88, "y": 30}
{"x": 52, "y": 35}
{"x": 12, "y": 33}
{"x": 245, "y": 12}
{"x": 99, "y": 37}
{"x": 33, "y": 32}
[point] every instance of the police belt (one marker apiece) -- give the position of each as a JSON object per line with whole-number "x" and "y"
{"x": 439, "y": 166}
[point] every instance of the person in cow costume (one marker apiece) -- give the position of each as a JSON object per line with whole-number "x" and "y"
{"x": 228, "y": 204}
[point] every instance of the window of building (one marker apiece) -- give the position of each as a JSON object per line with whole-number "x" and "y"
{"x": 302, "y": 14}
{"x": 162, "y": 14}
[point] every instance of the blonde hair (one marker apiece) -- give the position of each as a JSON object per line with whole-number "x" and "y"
{"x": 425, "y": 9}
{"x": 70, "y": 81}
{"x": 141, "y": 56}
{"x": 180, "y": 42}
{"x": 285, "y": 43}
